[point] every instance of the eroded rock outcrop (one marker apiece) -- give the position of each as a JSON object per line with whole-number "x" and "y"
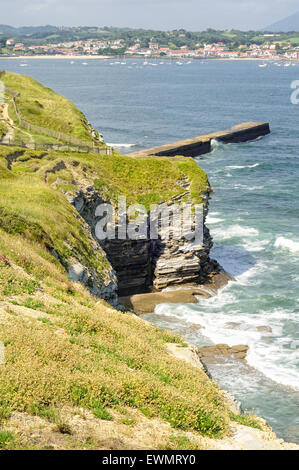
{"x": 237, "y": 352}
{"x": 143, "y": 265}
{"x": 180, "y": 261}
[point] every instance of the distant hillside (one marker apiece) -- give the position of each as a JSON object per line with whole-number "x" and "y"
{"x": 25, "y": 30}
{"x": 291, "y": 23}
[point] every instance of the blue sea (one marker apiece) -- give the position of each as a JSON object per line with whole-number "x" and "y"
{"x": 254, "y": 213}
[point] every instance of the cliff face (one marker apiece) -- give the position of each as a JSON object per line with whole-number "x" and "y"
{"x": 54, "y": 328}
{"x": 113, "y": 266}
{"x": 102, "y": 286}
{"x": 123, "y": 266}
{"x": 179, "y": 261}
{"x": 145, "y": 265}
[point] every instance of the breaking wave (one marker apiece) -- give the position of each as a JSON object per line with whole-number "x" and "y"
{"x": 287, "y": 244}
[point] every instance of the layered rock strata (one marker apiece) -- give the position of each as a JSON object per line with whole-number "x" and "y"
{"x": 144, "y": 265}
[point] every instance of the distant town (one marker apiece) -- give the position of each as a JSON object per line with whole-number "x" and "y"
{"x": 140, "y": 43}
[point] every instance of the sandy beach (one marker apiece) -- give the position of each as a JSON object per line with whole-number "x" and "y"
{"x": 102, "y": 57}
{"x": 71, "y": 57}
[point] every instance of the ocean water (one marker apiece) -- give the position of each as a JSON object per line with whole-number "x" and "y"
{"x": 254, "y": 213}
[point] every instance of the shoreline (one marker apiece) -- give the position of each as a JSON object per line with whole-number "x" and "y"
{"x": 258, "y": 440}
{"x": 145, "y": 303}
{"x": 68, "y": 57}
{"x": 203, "y": 357}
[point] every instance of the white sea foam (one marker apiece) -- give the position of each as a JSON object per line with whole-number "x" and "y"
{"x": 268, "y": 352}
{"x": 275, "y": 362}
{"x": 287, "y": 244}
{"x": 249, "y": 277}
{"x": 234, "y": 231}
{"x": 213, "y": 220}
{"x": 240, "y": 167}
{"x": 248, "y": 188}
{"x": 121, "y": 145}
{"x": 255, "y": 245}
{"x": 217, "y": 145}
{"x": 234, "y": 259}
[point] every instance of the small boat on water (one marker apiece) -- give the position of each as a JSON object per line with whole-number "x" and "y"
{"x": 263, "y": 65}
{"x": 23, "y": 65}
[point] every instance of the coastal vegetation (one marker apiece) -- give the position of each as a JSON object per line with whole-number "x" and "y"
{"x": 112, "y": 42}
{"x": 53, "y": 328}
{"x": 41, "y": 106}
{"x": 70, "y": 357}
{"x": 173, "y": 39}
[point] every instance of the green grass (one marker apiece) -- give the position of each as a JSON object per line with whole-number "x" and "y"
{"x": 108, "y": 359}
{"x": 44, "y": 412}
{"x": 89, "y": 355}
{"x": 33, "y": 303}
{"x": 100, "y": 412}
{"x": 43, "y": 107}
{"x": 5, "y": 413}
{"x": 6, "y": 438}
{"x": 294, "y": 40}
{"x": 45, "y": 217}
{"x": 128, "y": 421}
{"x": 246, "y": 419}
{"x": 149, "y": 180}
{"x": 143, "y": 181}
{"x": 45, "y": 320}
{"x": 181, "y": 443}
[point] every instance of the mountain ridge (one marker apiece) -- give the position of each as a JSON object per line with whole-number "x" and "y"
{"x": 285, "y": 25}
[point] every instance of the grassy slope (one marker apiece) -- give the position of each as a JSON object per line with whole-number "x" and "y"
{"x": 43, "y": 107}
{"x": 150, "y": 180}
{"x": 29, "y": 207}
{"x": 3, "y": 129}
{"x": 145, "y": 181}
{"x": 65, "y": 348}
{"x": 106, "y": 358}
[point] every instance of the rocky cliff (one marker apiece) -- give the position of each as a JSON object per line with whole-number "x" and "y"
{"x": 145, "y": 265}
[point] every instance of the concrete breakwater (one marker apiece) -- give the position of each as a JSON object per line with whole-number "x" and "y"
{"x": 203, "y": 144}
{"x": 144, "y": 268}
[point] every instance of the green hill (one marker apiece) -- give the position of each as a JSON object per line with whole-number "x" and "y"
{"x": 41, "y": 106}
{"x": 78, "y": 373}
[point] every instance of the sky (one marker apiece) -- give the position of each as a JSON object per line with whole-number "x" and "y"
{"x": 195, "y": 15}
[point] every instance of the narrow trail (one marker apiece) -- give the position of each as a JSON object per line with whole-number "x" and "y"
{"x": 8, "y": 137}
{"x": 10, "y": 131}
